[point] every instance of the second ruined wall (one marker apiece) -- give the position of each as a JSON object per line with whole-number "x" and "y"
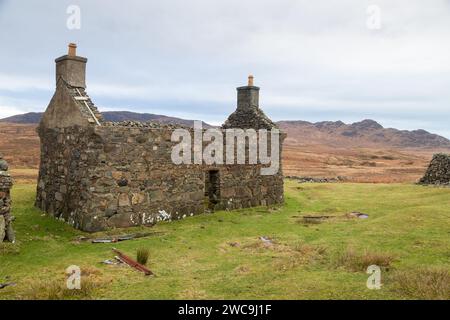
{"x": 438, "y": 171}
{"x": 6, "y": 229}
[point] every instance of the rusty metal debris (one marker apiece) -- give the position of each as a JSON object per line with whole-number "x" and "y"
{"x": 104, "y": 240}
{"x": 356, "y": 214}
{"x": 132, "y": 263}
{"x": 316, "y": 219}
{"x": 4, "y": 285}
{"x": 116, "y": 238}
{"x": 115, "y": 262}
{"x": 266, "y": 240}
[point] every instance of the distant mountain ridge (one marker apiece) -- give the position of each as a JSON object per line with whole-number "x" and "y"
{"x": 113, "y": 116}
{"x": 26, "y": 118}
{"x": 366, "y": 133}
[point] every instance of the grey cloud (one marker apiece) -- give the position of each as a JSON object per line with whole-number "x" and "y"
{"x": 315, "y": 60}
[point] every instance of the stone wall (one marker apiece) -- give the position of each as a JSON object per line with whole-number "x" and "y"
{"x": 438, "y": 171}
{"x": 63, "y": 184}
{"x": 6, "y": 230}
{"x": 113, "y": 175}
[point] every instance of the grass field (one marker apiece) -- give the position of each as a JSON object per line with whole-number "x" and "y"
{"x": 221, "y": 256}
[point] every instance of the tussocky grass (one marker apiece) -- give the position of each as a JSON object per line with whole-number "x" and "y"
{"x": 222, "y": 255}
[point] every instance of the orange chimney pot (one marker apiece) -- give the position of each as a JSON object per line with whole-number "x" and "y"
{"x": 72, "y": 49}
{"x": 250, "y": 81}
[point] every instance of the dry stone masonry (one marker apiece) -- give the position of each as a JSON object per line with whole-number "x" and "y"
{"x": 97, "y": 175}
{"x": 248, "y": 115}
{"x": 6, "y": 230}
{"x": 438, "y": 171}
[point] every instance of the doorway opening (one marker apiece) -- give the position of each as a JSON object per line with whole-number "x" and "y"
{"x": 212, "y": 188}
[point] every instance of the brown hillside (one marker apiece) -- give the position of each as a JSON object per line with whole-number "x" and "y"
{"x": 308, "y": 151}
{"x": 366, "y": 133}
{"x": 362, "y": 152}
{"x": 19, "y": 144}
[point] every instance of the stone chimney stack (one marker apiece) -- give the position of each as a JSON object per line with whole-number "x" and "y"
{"x": 248, "y": 96}
{"x": 248, "y": 114}
{"x": 72, "y": 68}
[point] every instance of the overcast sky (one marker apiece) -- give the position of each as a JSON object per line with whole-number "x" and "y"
{"x": 314, "y": 60}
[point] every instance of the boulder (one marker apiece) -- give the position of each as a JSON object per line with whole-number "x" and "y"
{"x": 10, "y": 234}
{"x": 2, "y": 228}
{"x": 3, "y": 165}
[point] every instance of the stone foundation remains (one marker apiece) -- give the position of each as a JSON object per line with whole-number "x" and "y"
{"x": 6, "y": 230}
{"x": 97, "y": 175}
{"x": 438, "y": 172}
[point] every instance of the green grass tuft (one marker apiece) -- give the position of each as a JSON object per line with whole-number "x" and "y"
{"x": 142, "y": 255}
{"x": 354, "y": 261}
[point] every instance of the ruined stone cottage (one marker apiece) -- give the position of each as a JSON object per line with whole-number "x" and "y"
{"x": 6, "y": 230}
{"x": 97, "y": 175}
{"x": 438, "y": 172}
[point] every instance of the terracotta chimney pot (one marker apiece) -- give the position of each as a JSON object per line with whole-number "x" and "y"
{"x": 250, "y": 81}
{"x": 72, "y": 49}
